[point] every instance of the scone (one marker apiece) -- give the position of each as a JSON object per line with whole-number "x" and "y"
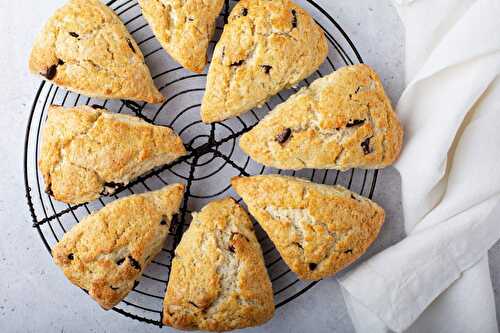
{"x": 84, "y": 47}
{"x": 184, "y": 28}
{"x": 266, "y": 46}
{"x": 317, "y": 229}
{"x": 218, "y": 280}
{"x": 344, "y": 120}
{"x": 108, "y": 251}
{"x": 88, "y": 152}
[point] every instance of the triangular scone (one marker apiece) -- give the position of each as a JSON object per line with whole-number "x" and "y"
{"x": 344, "y": 120}
{"x": 88, "y": 152}
{"x": 108, "y": 251}
{"x": 317, "y": 229}
{"x": 218, "y": 280}
{"x": 266, "y": 46}
{"x": 184, "y": 28}
{"x": 84, "y": 47}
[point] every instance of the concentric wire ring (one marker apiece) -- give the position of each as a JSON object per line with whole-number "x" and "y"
{"x": 213, "y": 158}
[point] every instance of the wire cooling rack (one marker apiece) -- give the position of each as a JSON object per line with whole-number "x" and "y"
{"x": 214, "y": 156}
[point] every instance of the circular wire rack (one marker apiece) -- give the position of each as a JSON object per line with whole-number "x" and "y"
{"x": 213, "y": 156}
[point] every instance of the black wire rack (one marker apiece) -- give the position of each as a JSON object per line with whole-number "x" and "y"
{"x": 213, "y": 158}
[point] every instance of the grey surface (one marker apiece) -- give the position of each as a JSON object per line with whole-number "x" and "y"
{"x": 34, "y": 295}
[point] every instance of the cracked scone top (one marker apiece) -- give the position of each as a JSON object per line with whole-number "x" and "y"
{"x": 84, "y": 47}
{"x": 184, "y": 28}
{"x": 343, "y": 120}
{"x": 317, "y": 229}
{"x": 88, "y": 152}
{"x": 267, "y": 46}
{"x": 218, "y": 280}
{"x": 107, "y": 252}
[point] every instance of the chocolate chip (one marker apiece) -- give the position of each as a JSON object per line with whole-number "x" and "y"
{"x": 74, "y": 34}
{"x": 366, "y": 146}
{"x": 284, "y": 136}
{"x": 355, "y": 122}
{"x": 294, "y": 20}
{"x": 130, "y": 45}
{"x": 298, "y": 245}
{"x": 114, "y": 288}
{"x": 312, "y": 266}
{"x": 348, "y": 251}
{"x": 49, "y": 191}
{"x": 163, "y": 222}
{"x": 190, "y": 19}
{"x": 231, "y": 248}
{"x": 71, "y": 256}
{"x": 238, "y": 63}
{"x": 51, "y": 72}
{"x": 120, "y": 261}
{"x": 193, "y": 304}
{"x": 110, "y": 185}
{"x": 267, "y": 68}
{"x": 98, "y": 107}
{"x": 136, "y": 283}
{"x": 357, "y": 90}
{"x": 60, "y": 62}
{"x": 244, "y": 11}
{"x": 353, "y": 197}
{"x": 134, "y": 263}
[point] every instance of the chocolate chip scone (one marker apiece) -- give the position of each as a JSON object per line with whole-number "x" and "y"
{"x": 107, "y": 252}
{"x": 344, "y": 120}
{"x": 88, "y": 152}
{"x": 267, "y": 46}
{"x": 317, "y": 229}
{"x": 218, "y": 280}
{"x": 84, "y": 47}
{"x": 184, "y": 28}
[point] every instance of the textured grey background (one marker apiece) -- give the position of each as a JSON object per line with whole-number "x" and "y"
{"x": 35, "y": 296}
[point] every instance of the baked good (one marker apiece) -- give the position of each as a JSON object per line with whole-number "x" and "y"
{"x": 344, "y": 120}
{"x": 88, "y": 152}
{"x": 267, "y": 46}
{"x": 84, "y": 47}
{"x": 108, "y": 251}
{"x": 218, "y": 281}
{"x": 317, "y": 229}
{"x": 184, "y": 28}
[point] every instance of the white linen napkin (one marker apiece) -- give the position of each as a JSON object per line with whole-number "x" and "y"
{"x": 437, "y": 279}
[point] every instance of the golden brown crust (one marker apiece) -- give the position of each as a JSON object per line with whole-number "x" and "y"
{"x": 108, "y": 251}
{"x": 344, "y": 120}
{"x": 89, "y": 152}
{"x": 184, "y": 28}
{"x": 84, "y": 47}
{"x": 317, "y": 229}
{"x": 218, "y": 280}
{"x": 266, "y": 46}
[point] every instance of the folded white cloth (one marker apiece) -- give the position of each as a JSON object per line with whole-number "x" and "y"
{"x": 450, "y": 178}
